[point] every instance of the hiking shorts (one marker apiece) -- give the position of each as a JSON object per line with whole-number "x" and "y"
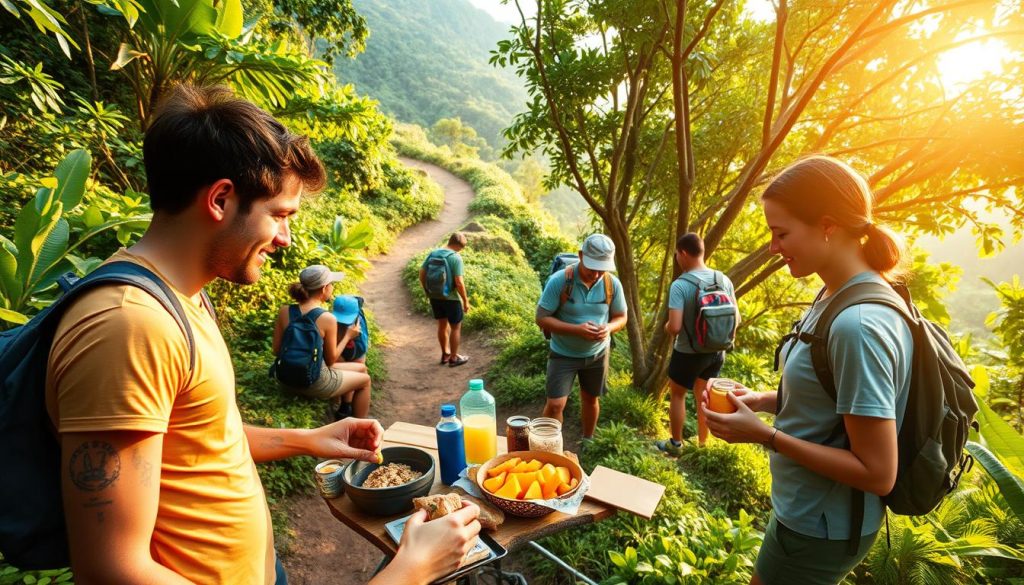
{"x": 790, "y": 557}
{"x": 325, "y": 387}
{"x": 685, "y": 368}
{"x": 562, "y": 370}
{"x": 445, "y": 309}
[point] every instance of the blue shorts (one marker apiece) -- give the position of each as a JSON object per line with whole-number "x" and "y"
{"x": 282, "y": 577}
{"x": 445, "y": 309}
{"x": 685, "y": 368}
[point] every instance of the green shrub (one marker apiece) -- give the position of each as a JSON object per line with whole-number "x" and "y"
{"x": 628, "y": 406}
{"x": 733, "y": 477}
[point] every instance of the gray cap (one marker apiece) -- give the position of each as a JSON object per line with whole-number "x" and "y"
{"x": 318, "y": 276}
{"x": 598, "y": 252}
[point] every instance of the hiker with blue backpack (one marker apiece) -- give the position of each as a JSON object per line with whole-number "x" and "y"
{"x": 703, "y": 317}
{"x": 126, "y": 454}
{"x": 353, "y": 331}
{"x": 308, "y": 347}
{"x": 441, "y": 277}
{"x": 873, "y": 405}
{"x": 581, "y": 306}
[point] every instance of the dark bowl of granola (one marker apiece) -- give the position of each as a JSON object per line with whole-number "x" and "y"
{"x": 388, "y": 488}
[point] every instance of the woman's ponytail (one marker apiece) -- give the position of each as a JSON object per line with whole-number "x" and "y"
{"x": 298, "y": 293}
{"x": 884, "y": 252}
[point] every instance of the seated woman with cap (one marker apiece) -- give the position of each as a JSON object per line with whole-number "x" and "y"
{"x": 346, "y": 385}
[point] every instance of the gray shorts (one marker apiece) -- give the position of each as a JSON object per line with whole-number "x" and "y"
{"x": 562, "y": 370}
{"x": 326, "y": 386}
{"x": 790, "y": 557}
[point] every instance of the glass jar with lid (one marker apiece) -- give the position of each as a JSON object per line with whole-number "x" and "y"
{"x": 546, "y": 435}
{"x": 517, "y": 433}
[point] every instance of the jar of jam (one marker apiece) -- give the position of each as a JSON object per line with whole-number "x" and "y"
{"x": 546, "y": 435}
{"x": 517, "y": 433}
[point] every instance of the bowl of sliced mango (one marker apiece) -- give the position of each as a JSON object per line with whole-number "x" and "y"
{"x": 515, "y": 481}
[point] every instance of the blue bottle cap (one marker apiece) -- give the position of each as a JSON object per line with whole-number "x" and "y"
{"x": 447, "y": 410}
{"x": 476, "y": 384}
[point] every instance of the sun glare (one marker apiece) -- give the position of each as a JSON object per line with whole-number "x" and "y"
{"x": 970, "y": 62}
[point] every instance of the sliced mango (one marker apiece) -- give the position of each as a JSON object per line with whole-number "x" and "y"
{"x": 547, "y": 471}
{"x": 525, "y": 486}
{"x": 533, "y": 465}
{"x": 494, "y": 484}
{"x": 510, "y": 490}
{"x": 549, "y": 490}
{"x": 563, "y": 474}
{"x": 504, "y": 467}
{"x": 525, "y": 479}
{"x": 534, "y": 492}
{"x": 573, "y": 483}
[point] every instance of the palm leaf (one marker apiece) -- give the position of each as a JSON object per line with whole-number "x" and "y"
{"x": 1011, "y": 488}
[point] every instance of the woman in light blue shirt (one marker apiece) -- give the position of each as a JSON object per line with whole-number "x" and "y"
{"x": 819, "y": 214}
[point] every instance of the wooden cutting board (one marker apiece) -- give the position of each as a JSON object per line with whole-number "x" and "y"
{"x": 625, "y": 491}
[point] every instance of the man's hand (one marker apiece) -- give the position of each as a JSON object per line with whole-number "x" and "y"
{"x": 430, "y": 550}
{"x": 352, "y": 438}
{"x": 465, "y": 305}
{"x": 592, "y": 331}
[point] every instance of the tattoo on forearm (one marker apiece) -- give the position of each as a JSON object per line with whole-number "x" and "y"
{"x": 273, "y": 442}
{"x": 145, "y": 468}
{"x": 94, "y": 466}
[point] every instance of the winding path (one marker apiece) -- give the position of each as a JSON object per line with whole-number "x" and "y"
{"x": 323, "y": 550}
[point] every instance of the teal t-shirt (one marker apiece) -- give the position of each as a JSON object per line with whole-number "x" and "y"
{"x": 454, "y": 269}
{"x": 682, "y": 295}
{"x": 582, "y": 305}
{"x": 870, "y": 349}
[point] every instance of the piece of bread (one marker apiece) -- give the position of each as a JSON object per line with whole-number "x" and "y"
{"x": 438, "y": 505}
{"x": 490, "y": 517}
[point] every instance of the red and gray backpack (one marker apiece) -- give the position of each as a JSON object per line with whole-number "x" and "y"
{"x": 713, "y": 315}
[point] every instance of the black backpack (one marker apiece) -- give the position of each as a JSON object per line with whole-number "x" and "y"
{"x": 301, "y": 358}
{"x": 32, "y": 527}
{"x": 940, "y": 405}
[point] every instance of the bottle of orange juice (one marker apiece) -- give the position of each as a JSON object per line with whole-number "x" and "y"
{"x": 479, "y": 423}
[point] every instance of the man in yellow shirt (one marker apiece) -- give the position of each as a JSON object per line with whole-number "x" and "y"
{"x": 159, "y": 477}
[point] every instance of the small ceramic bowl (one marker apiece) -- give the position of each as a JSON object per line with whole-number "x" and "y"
{"x": 390, "y": 500}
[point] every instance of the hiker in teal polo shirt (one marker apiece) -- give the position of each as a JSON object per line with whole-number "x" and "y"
{"x": 581, "y": 314}
{"x": 441, "y": 279}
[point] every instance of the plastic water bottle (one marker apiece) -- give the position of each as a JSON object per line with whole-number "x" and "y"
{"x": 450, "y": 447}
{"x": 477, "y": 409}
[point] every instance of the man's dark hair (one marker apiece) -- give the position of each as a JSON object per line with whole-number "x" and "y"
{"x": 200, "y": 135}
{"x": 692, "y": 244}
{"x": 457, "y": 239}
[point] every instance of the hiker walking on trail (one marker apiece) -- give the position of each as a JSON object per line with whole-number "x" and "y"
{"x": 441, "y": 278}
{"x": 703, "y": 316}
{"x": 581, "y": 307}
{"x": 834, "y": 453}
{"x": 307, "y": 334}
{"x": 157, "y": 468}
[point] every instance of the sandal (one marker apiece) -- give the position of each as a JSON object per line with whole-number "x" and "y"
{"x": 457, "y": 360}
{"x": 444, "y": 358}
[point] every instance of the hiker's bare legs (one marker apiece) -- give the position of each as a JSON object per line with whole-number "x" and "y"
{"x": 677, "y": 410}
{"x": 350, "y": 367}
{"x": 442, "y": 335}
{"x": 591, "y": 409}
{"x": 702, "y": 424}
{"x": 455, "y": 338}
{"x": 554, "y": 406}
{"x": 358, "y": 384}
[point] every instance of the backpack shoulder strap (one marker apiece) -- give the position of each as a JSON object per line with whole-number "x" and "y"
{"x": 294, "y": 313}
{"x": 609, "y": 290}
{"x": 315, "y": 313}
{"x": 567, "y": 287}
{"x": 857, "y": 294}
{"x": 132, "y": 274}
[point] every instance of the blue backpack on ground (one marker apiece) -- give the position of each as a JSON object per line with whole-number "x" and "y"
{"x": 32, "y": 526}
{"x": 714, "y": 315}
{"x": 438, "y": 277}
{"x": 301, "y": 358}
{"x": 358, "y": 347}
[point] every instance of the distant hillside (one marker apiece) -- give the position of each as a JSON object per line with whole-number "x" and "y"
{"x": 427, "y": 59}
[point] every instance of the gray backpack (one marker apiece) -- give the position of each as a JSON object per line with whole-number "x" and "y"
{"x": 439, "y": 281}
{"x": 714, "y": 315}
{"x": 940, "y": 406}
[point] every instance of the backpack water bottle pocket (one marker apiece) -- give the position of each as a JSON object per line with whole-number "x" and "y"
{"x": 929, "y": 474}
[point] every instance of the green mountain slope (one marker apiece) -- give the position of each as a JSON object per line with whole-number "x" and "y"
{"x": 427, "y": 59}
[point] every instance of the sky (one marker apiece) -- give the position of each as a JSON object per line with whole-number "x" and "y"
{"x": 507, "y": 12}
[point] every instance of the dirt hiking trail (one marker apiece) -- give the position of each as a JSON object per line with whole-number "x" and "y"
{"x": 323, "y": 550}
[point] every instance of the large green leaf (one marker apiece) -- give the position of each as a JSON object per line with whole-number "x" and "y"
{"x": 10, "y": 285}
{"x": 994, "y": 432}
{"x": 71, "y": 173}
{"x": 13, "y": 317}
{"x": 188, "y": 20}
{"x": 30, "y": 229}
{"x": 1010, "y": 486}
{"x": 50, "y": 254}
